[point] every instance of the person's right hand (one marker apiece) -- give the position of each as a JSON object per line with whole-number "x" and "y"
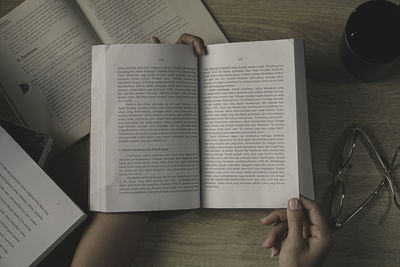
{"x": 308, "y": 239}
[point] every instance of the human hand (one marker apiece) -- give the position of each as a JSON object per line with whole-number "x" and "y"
{"x": 195, "y": 41}
{"x": 300, "y": 237}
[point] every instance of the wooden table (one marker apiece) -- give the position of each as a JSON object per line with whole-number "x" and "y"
{"x": 335, "y": 99}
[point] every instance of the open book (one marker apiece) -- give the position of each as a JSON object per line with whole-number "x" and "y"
{"x": 35, "y": 215}
{"x": 46, "y": 48}
{"x": 171, "y": 130}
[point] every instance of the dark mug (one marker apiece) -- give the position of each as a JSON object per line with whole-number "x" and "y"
{"x": 370, "y": 46}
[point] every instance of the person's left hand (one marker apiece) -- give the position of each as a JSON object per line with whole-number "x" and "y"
{"x": 195, "y": 41}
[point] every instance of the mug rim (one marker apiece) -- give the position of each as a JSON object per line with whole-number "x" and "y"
{"x": 354, "y": 13}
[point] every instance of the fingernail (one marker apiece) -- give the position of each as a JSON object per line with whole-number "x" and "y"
{"x": 201, "y": 52}
{"x": 263, "y": 219}
{"x": 294, "y": 204}
{"x": 274, "y": 252}
{"x": 265, "y": 244}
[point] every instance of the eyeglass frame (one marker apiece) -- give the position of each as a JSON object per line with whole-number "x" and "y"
{"x": 358, "y": 131}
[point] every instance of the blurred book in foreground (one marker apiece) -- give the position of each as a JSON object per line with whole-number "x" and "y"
{"x": 35, "y": 214}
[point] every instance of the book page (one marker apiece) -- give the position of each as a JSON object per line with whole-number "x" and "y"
{"x": 136, "y": 21}
{"x": 144, "y": 136}
{"x": 249, "y": 125}
{"x": 45, "y": 72}
{"x": 35, "y": 214}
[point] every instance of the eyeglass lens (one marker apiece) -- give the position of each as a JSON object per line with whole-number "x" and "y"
{"x": 337, "y": 199}
{"x": 348, "y": 149}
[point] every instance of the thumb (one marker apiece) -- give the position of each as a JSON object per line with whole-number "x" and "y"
{"x": 295, "y": 222}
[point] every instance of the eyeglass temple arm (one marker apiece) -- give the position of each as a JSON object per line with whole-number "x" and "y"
{"x": 365, "y": 202}
{"x": 372, "y": 149}
{"x": 390, "y": 180}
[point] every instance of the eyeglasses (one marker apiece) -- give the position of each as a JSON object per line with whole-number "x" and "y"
{"x": 338, "y": 195}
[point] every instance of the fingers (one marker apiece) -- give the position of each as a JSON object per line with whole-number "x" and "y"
{"x": 295, "y": 222}
{"x": 276, "y": 236}
{"x": 276, "y": 216}
{"x": 306, "y": 228}
{"x": 314, "y": 213}
{"x": 320, "y": 247}
{"x": 197, "y": 42}
{"x": 275, "y": 250}
{"x": 302, "y": 223}
{"x": 155, "y": 40}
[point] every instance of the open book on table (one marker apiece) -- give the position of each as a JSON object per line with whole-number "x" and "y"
{"x": 46, "y": 52}
{"x": 35, "y": 214}
{"x": 170, "y": 130}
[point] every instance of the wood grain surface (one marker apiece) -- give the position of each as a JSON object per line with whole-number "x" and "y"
{"x": 335, "y": 100}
